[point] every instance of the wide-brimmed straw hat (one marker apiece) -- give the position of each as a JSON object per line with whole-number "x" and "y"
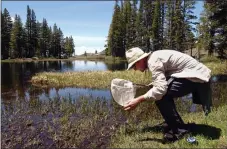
{"x": 133, "y": 55}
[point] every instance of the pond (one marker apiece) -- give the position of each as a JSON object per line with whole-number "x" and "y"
{"x": 70, "y": 117}
{"x": 15, "y": 77}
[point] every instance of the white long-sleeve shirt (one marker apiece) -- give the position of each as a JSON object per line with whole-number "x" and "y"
{"x": 172, "y": 63}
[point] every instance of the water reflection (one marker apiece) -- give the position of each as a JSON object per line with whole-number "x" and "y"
{"x": 15, "y": 85}
{"x": 74, "y": 93}
{"x": 15, "y": 76}
{"x": 47, "y": 93}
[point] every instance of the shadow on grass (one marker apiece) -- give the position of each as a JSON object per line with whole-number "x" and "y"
{"x": 209, "y": 132}
{"x": 153, "y": 139}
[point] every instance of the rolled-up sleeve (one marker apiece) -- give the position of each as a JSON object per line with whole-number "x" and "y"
{"x": 158, "y": 80}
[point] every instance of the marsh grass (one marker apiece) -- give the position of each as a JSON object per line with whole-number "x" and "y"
{"x": 58, "y": 122}
{"x": 102, "y": 79}
{"x": 89, "y": 122}
{"x": 88, "y": 79}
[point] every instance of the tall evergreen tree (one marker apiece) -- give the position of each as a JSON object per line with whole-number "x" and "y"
{"x": 34, "y": 34}
{"x": 28, "y": 30}
{"x": 61, "y": 43}
{"x": 162, "y": 23}
{"x": 6, "y": 27}
{"x": 34, "y": 39}
{"x": 148, "y": 19}
{"x": 168, "y": 32}
{"x": 55, "y": 41}
{"x": 17, "y": 39}
{"x": 72, "y": 46}
{"x": 219, "y": 24}
{"x": 67, "y": 46}
{"x": 133, "y": 23}
{"x": 189, "y": 23}
{"x": 115, "y": 39}
{"x": 39, "y": 35}
{"x": 140, "y": 25}
{"x": 206, "y": 29}
{"x": 178, "y": 22}
{"x": 49, "y": 42}
{"x": 109, "y": 41}
{"x": 126, "y": 24}
{"x": 44, "y": 38}
{"x": 156, "y": 27}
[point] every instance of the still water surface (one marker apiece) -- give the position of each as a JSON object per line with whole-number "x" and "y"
{"x": 15, "y": 79}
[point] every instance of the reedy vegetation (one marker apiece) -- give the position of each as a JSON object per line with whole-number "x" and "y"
{"x": 99, "y": 122}
{"x": 102, "y": 79}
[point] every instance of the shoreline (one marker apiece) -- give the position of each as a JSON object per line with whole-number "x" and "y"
{"x": 91, "y": 58}
{"x": 102, "y": 79}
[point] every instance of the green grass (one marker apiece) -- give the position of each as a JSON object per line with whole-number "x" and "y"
{"x": 102, "y": 79}
{"x": 140, "y": 135}
{"x": 94, "y": 57}
{"x": 90, "y": 79}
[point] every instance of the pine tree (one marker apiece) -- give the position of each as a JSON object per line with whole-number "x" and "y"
{"x": 49, "y": 42}
{"x": 17, "y": 39}
{"x": 69, "y": 46}
{"x": 39, "y": 35}
{"x": 162, "y": 24}
{"x": 6, "y": 27}
{"x": 140, "y": 25}
{"x": 203, "y": 29}
{"x": 61, "y": 43}
{"x": 106, "y": 50}
{"x": 44, "y": 38}
{"x": 148, "y": 19}
{"x": 168, "y": 33}
{"x": 124, "y": 20}
{"x": 55, "y": 41}
{"x": 133, "y": 24}
{"x": 219, "y": 23}
{"x": 110, "y": 41}
{"x": 188, "y": 27}
{"x": 126, "y": 25}
{"x": 34, "y": 34}
{"x": 206, "y": 29}
{"x": 115, "y": 39}
{"x": 28, "y": 30}
{"x": 156, "y": 27}
{"x": 178, "y": 22}
{"x": 72, "y": 46}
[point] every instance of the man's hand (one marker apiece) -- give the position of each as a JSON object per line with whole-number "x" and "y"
{"x": 133, "y": 103}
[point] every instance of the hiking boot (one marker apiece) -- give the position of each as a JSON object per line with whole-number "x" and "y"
{"x": 163, "y": 124}
{"x": 162, "y": 127}
{"x": 170, "y": 137}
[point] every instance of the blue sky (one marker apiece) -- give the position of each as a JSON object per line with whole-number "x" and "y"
{"x": 87, "y": 21}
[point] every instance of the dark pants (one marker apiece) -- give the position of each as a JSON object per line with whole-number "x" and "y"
{"x": 178, "y": 87}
